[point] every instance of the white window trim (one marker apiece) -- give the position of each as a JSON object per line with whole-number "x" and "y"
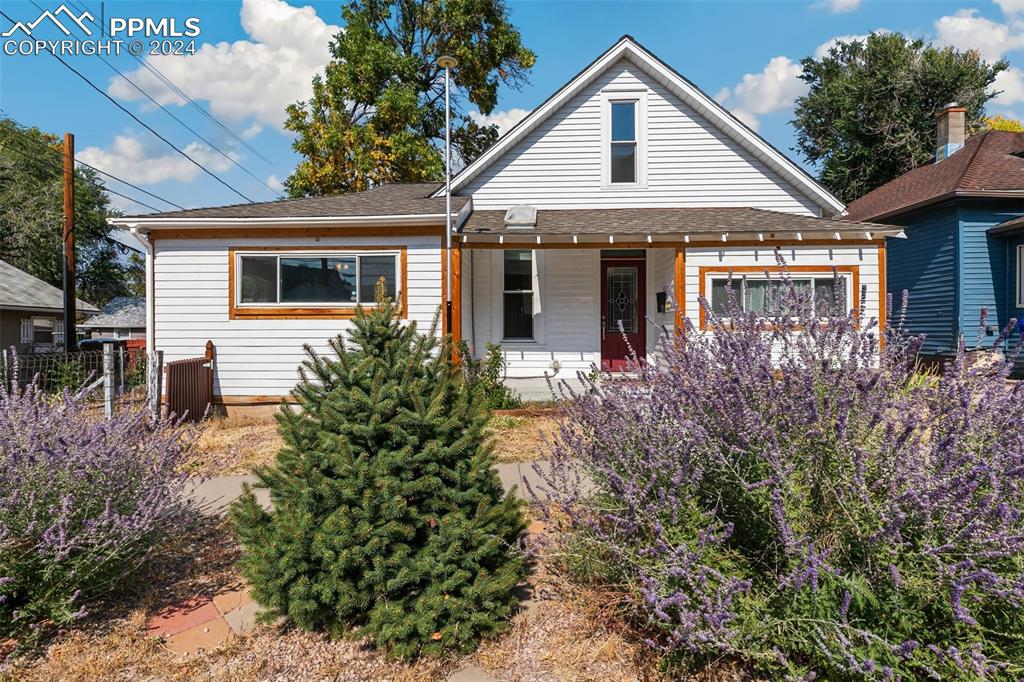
{"x": 315, "y": 254}
{"x": 711, "y": 276}
{"x": 609, "y": 95}
{"x": 1020, "y": 276}
{"x": 498, "y": 300}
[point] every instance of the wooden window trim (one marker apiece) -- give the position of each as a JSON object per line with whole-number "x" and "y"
{"x": 704, "y": 271}
{"x": 236, "y": 312}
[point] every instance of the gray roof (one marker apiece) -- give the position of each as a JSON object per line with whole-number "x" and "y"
{"x": 642, "y": 221}
{"x": 392, "y": 199}
{"x": 123, "y": 312}
{"x": 18, "y": 289}
{"x": 1012, "y": 226}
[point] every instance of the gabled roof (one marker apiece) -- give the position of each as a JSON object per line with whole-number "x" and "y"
{"x": 22, "y": 291}
{"x": 990, "y": 164}
{"x": 411, "y": 199}
{"x": 676, "y": 222}
{"x": 628, "y": 48}
{"x": 123, "y": 312}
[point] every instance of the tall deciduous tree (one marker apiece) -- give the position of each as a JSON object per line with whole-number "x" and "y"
{"x": 32, "y": 217}
{"x": 869, "y": 114}
{"x": 377, "y": 112}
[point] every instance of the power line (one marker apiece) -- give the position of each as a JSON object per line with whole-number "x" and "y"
{"x": 25, "y": 137}
{"x": 181, "y": 93}
{"x": 28, "y": 155}
{"x": 144, "y": 191}
{"x": 183, "y": 124}
{"x": 136, "y": 118}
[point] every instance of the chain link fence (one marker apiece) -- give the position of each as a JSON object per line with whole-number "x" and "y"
{"x": 54, "y": 372}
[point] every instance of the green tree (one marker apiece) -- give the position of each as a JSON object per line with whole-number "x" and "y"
{"x": 32, "y": 216}
{"x": 869, "y": 115}
{"x": 388, "y": 519}
{"x": 377, "y": 112}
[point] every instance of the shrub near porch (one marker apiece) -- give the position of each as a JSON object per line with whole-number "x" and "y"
{"x": 803, "y": 503}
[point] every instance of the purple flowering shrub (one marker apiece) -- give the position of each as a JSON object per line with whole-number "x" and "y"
{"x": 83, "y": 501}
{"x": 799, "y": 496}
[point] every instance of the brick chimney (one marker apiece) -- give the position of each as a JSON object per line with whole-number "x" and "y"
{"x": 950, "y": 130}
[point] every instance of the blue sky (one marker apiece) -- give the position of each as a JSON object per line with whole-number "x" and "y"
{"x": 256, "y": 56}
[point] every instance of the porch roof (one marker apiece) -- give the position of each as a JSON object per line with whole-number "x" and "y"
{"x": 700, "y": 223}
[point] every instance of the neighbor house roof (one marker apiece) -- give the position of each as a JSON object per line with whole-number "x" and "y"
{"x": 22, "y": 291}
{"x": 123, "y": 312}
{"x": 396, "y": 199}
{"x": 671, "y": 221}
{"x": 990, "y": 164}
{"x": 628, "y": 48}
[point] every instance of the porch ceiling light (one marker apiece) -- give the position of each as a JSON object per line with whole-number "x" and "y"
{"x": 521, "y": 217}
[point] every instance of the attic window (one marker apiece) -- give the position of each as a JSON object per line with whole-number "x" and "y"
{"x": 521, "y": 217}
{"x": 623, "y": 142}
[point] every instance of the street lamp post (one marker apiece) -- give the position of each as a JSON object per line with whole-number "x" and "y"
{"x": 447, "y": 63}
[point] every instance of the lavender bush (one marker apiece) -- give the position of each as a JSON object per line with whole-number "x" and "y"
{"x": 789, "y": 491}
{"x": 83, "y": 501}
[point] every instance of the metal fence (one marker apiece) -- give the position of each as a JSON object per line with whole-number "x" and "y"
{"x": 115, "y": 376}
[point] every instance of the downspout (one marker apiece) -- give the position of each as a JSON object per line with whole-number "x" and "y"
{"x": 150, "y": 307}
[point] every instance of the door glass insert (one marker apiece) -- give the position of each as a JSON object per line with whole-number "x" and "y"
{"x": 622, "y": 295}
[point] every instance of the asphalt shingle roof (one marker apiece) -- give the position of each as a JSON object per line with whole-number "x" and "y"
{"x": 989, "y": 162}
{"x": 392, "y": 199}
{"x": 123, "y": 312}
{"x": 641, "y": 221}
{"x": 18, "y": 289}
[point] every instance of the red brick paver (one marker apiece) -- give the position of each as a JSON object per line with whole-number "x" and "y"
{"x": 182, "y": 616}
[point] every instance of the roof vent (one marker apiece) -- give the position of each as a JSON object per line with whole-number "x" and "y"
{"x": 521, "y": 217}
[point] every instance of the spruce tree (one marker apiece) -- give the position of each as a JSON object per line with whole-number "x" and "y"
{"x": 388, "y": 520}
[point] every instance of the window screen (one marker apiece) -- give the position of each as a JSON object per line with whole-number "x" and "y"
{"x": 518, "y": 294}
{"x": 623, "y": 142}
{"x": 320, "y": 279}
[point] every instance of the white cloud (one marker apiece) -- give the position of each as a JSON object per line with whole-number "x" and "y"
{"x": 505, "y": 120}
{"x": 252, "y": 131}
{"x": 255, "y": 78}
{"x": 773, "y": 89}
{"x": 274, "y": 183}
{"x": 841, "y": 6}
{"x": 1011, "y": 6}
{"x": 1011, "y": 82}
{"x": 965, "y": 30}
{"x": 144, "y": 162}
{"x": 824, "y": 48}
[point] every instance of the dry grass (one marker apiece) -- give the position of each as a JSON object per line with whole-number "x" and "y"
{"x": 234, "y": 445}
{"x": 522, "y": 439}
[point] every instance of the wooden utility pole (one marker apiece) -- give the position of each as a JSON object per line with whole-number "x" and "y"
{"x": 70, "y": 333}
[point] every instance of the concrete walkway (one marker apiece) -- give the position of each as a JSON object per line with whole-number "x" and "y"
{"x": 213, "y": 495}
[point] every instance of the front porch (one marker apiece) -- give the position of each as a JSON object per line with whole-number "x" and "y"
{"x": 552, "y": 292}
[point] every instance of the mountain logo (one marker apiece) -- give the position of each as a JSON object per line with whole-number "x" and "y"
{"x": 52, "y": 16}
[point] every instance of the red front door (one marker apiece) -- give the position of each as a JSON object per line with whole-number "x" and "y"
{"x": 622, "y": 300}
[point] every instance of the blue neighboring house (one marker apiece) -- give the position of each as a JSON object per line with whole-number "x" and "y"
{"x": 964, "y": 220}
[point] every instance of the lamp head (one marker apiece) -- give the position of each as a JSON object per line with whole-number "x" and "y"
{"x": 447, "y": 61}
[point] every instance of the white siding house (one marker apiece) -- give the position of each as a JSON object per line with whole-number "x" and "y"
{"x": 627, "y": 191}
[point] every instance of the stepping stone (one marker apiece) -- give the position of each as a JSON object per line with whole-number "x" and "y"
{"x": 471, "y": 673}
{"x": 182, "y": 616}
{"x": 243, "y": 619}
{"x": 232, "y": 599}
{"x": 207, "y": 636}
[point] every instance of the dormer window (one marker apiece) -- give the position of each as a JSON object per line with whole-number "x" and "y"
{"x": 623, "y": 139}
{"x": 623, "y": 152}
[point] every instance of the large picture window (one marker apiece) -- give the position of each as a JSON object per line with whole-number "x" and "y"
{"x": 336, "y": 279}
{"x": 518, "y": 294}
{"x": 828, "y": 294}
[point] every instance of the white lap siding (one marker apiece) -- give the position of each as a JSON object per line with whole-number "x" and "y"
{"x": 864, "y": 258}
{"x": 689, "y": 160}
{"x": 260, "y": 357}
{"x": 567, "y": 327}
